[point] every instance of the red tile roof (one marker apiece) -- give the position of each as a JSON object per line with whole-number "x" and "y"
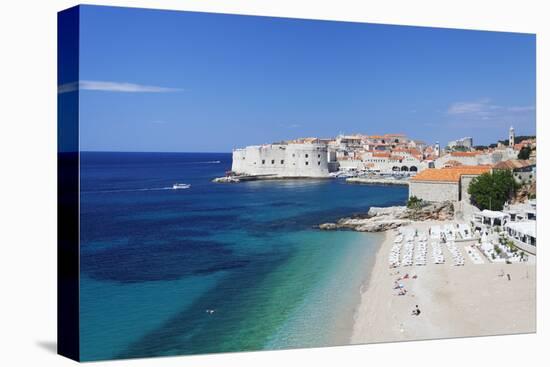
{"x": 451, "y": 174}
{"x": 513, "y": 164}
{"x": 464, "y": 154}
{"x": 381, "y": 155}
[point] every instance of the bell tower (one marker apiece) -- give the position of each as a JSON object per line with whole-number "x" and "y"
{"x": 511, "y": 137}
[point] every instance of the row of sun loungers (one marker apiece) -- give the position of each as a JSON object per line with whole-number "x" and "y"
{"x": 408, "y": 250}
{"x": 458, "y": 259}
{"x": 414, "y": 252}
{"x": 421, "y": 251}
{"x": 395, "y": 252}
{"x": 437, "y": 253}
{"x": 411, "y": 247}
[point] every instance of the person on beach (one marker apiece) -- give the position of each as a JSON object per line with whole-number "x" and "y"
{"x": 416, "y": 311}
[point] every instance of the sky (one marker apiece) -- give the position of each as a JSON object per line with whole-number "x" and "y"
{"x": 173, "y": 81}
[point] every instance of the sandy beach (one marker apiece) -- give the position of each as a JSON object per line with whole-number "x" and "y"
{"x": 455, "y": 301}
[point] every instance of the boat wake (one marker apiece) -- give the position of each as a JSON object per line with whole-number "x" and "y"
{"x": 132, "y": 190}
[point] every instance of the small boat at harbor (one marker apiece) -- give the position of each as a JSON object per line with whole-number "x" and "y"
{"x": 178, "y": 186}
{"x": 226, "y": 179}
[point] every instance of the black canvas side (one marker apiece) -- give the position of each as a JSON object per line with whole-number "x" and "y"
{"x": 68, "y": 341}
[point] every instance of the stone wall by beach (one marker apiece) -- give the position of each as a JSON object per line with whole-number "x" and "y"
{"x": 465, "y": 181}
{"x": 434, "y": 191}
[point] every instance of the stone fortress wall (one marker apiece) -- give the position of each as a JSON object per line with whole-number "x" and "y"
{"x": 283, "y": 160}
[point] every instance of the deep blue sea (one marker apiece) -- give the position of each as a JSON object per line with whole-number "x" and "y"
{"x": 154, "y": 260}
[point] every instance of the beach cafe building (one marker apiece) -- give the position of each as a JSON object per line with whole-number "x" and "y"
{"x": 490, "y": 218}
{"x": 523, "y": 234}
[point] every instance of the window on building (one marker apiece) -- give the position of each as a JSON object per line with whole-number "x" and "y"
{"x": 293, "y": 155}
{"x": 273, "y": 161}
{"x": 282, "y": 161}
{"x": 307, "y": 163}
{"x": 263, "y": 161}
{"x": 319, "y": 163}
{"x": 307, "y": 155}
{"x": 318, "y": 155}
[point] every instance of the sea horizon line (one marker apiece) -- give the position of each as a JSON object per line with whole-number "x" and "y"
{"x": 137, "y": 151}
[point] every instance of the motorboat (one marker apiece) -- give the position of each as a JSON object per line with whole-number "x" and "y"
{"x": 178, "y": 186}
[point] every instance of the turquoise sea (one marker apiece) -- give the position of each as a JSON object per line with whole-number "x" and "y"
{"x": 216, "y": 267}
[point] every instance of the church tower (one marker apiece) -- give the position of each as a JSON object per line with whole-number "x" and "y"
{"x": 511, "y": 137}
{"x": 437, "y": 149}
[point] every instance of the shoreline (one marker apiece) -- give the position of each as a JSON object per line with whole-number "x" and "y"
{"x": 268, "y": 177}
{"x": 470, "y": 300}
{"x": 377, "y": 181}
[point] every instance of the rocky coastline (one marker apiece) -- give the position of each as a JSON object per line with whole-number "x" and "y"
{"x": 380, "y": 219}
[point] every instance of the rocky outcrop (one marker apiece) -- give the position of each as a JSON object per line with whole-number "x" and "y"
{"x": 328, "y": 226}
{"x": 524, "y": 193}
{"x": 376, "y": 224}
{"x": 394, "y": 211}
{"x": 381, "y": 219}
{"x": 434, "y": 211}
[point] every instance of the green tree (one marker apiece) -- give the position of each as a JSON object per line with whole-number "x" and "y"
{"x": 460, "y": 148}
{"x": 414, "y": 203}
{"x": 524, "y": 153}
{"x": 492, "y": 190}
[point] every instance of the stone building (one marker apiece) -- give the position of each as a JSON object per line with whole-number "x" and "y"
{"x": 523, "y": 170}
{"x": 445, "y": 184}
{"x": 466, "y": 142}
{"x": 475, "y": 158}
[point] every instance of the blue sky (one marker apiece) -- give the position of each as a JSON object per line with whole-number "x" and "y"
{"x": 176, "y": 81}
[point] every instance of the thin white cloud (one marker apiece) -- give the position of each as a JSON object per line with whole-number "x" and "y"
{"x": 484, "y": 113}
{"x": 485, "y": 110}
{"x": 459, "y": 108}
{"x": 119, "y": 87}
